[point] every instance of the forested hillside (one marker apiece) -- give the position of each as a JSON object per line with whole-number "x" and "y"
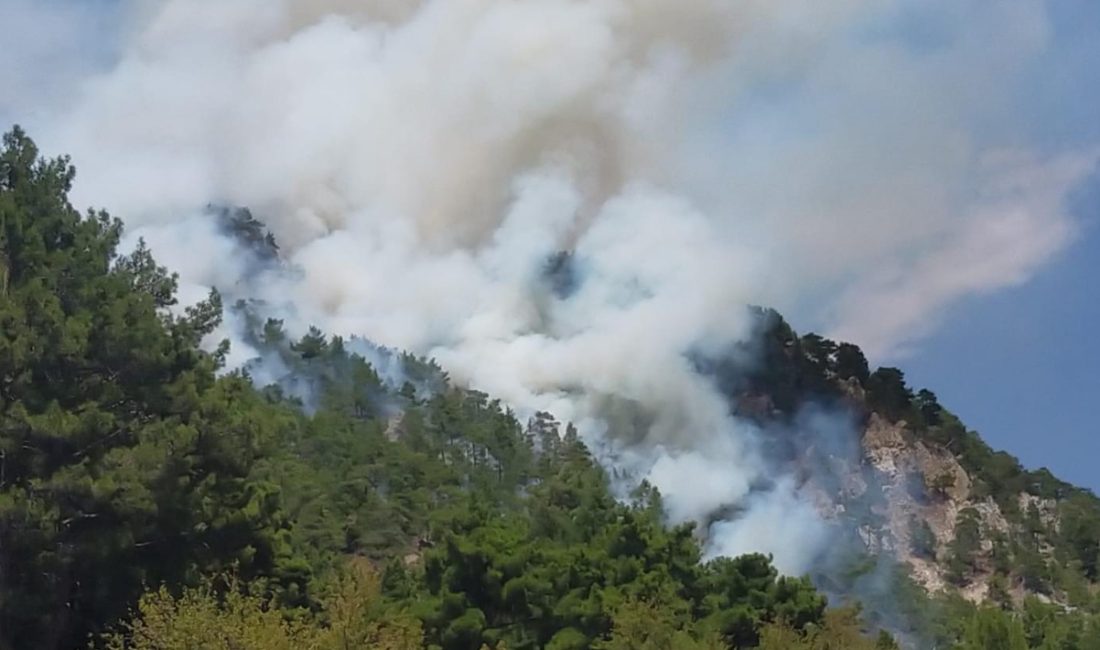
{"x": 150, "y": 498}
{"x": 967, "y": 525}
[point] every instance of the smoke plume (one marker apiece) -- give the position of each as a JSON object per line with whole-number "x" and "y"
{"x": 424, "y": 165}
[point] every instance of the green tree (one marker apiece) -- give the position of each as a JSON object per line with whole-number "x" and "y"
{"x": 123, "y": 459}
{"x": 888, "y": 393}
{"x": 850, "y": 363}
{"x": 232, "y": 615}
{"x": 993, "y": 629}
{"x": 646, "y": 626}
{"x": 963, "y": 549}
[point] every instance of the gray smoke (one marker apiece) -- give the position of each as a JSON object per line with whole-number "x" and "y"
{"x": 421, "y": 164}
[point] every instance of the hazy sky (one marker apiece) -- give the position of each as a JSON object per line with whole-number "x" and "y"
{"x": 1021, "y": 366}
{"x": 888, "y": 107}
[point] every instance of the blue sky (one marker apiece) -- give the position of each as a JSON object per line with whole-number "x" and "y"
{"x": 1022, "y": 366}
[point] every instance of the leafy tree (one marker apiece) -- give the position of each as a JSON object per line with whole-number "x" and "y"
{"x": 129, "y": 459}
{"x": 1080, "y": 533}
{"x": 839, "y": 630}
{"x": 646, "y": 626}
{"x": 928, "y": 407}
{"x": 312, "y": 345}
{"x": 993, "y": 629}
{"x": 850, "y": 363}
{"x": 237, "y": 616}
{"x": 123, "y": 459}
{"x": 963, "y": 549}
{"x": 888, "y": 393}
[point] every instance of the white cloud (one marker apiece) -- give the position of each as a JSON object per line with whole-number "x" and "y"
{"x": 1019, "y": 223}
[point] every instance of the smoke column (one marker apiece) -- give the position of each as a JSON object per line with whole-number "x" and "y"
{"x": 421, "y": 162}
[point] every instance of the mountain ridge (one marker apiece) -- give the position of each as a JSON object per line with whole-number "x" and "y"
{"x": 967, "y": 521}
{"x": 146, "y": 488}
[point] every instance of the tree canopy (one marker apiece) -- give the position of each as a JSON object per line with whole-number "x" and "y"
{"x": 151, "y": 499}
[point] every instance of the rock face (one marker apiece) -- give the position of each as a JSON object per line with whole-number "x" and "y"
{"x": 924, "y": 491}
{"x": 906, "y": 480}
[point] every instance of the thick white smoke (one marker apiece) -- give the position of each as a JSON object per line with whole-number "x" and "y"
{"x": 420, "y": 162}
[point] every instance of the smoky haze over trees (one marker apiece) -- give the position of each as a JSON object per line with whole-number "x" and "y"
{"x": 127, "y": 463}
{"x": 568, "y": 205}
{"x": 153, "y": 499}
{"x": 459, "y": 351}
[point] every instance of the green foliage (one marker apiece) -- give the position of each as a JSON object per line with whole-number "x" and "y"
{"x": 993, "y": 629}
{"x": 556, "y": 571}
{"x": 237, "y": 616}
{"x": 850, "y": 363}
{"x": 962, "y": 553}
{"x": 644, "y": 626}
{"x": 126, "y": 462}
{"x": 1054, "y": 552}
{"x": 128, "y": 466}
{"x": 839, "y": 630}
{"x": 1080, "y": 533}
{"x": 123, "y": 459}
{"x": 922, "y": 541}
{"x": 928, "y": 407}
{"x": 888, "y": 393}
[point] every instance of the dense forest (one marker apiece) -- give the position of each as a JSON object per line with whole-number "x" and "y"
{"x": 150, "y": 498}
{"x": 1028, "y": 541}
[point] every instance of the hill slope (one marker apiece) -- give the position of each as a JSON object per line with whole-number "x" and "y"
{"x": 334, "y": 493}
{"x": 963, "y": 520}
